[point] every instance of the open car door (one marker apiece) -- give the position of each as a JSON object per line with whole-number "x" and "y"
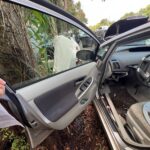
{"x": 48, "y": 87}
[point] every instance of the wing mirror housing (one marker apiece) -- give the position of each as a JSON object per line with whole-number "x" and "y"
{"x": 85, "y": 55}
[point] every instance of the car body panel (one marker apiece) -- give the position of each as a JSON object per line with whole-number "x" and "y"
{"x": 125, "y": 25}
{"x": 32, "y": 96}
{"x": 52, "y": 103}
{"x": 118, "y": 139}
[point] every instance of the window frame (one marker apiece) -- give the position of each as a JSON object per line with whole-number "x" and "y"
{"x": 53, "y": 11}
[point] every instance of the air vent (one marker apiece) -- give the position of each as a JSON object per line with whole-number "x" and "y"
{"x": 116, "y": 65}
{"x": 86, "y": 84}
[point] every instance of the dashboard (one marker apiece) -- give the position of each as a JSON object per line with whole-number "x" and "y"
{"x": 127, "y": 56}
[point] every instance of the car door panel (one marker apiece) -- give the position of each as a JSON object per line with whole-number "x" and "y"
{"x": 61, "y": 99}
{"x": 60, "y": 109}
{"x": 43, "y": 86}
{"x": 52, "y": 102}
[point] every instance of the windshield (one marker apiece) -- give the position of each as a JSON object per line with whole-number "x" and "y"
{"x": 145, "y": 42}
{"x": 140, "y": 43}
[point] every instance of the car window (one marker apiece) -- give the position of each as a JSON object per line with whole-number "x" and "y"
{"x": 102, "y": 52}
{"x": 34, "y": 45}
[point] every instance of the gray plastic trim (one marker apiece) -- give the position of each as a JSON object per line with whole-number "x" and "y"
{"x": 55, "y": 103}
{"x": 30, "y": 92}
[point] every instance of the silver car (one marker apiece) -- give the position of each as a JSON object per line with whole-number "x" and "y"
{"x": 115, "y": 75}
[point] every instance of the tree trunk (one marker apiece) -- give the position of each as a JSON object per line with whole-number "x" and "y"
{"x": 16, "y": 54}
{"x": 65, "y": 5}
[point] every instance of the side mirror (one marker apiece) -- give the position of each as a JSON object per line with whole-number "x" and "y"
{"x": 85, "y": 55}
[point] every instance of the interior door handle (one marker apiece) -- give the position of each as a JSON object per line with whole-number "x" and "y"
{"x": 79, "y": 81}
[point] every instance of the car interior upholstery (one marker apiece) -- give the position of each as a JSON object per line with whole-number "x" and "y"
{"x": 126, "y": 91}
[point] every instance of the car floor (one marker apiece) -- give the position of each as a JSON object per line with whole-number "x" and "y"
{"x": 137, "y": 90}
{"x": 141, "y": 94}
{"x": 120, "y": 97}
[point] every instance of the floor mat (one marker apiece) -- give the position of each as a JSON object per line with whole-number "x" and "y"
{"x": 142, "y": 94}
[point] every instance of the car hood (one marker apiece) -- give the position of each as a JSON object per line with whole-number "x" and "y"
{"x": 125, "y": 25}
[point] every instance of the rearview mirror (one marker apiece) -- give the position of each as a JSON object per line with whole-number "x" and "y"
{"x": 85, "y": 55}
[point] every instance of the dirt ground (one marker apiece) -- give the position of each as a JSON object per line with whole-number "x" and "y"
{"x": 121, "y": 98}
{"x": 85, "y": 133}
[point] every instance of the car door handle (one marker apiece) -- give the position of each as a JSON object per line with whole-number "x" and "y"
{"x": 79, "y": 81}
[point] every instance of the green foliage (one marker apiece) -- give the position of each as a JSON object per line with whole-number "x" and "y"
{"x": 129, "y": 15}
{"x": 103, "y": 22}
{"x": 6, "y": 134}
{"x": 145, "y": 11}
{"x": 79, "y": 13}
{"x": 72, "y": 8}
{"x": 41, "y": 29}
{"x": 142, "y": 12}
{"x": 19, "y": 142}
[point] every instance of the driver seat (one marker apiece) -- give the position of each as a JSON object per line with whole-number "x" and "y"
{"x": 138, "y": 118}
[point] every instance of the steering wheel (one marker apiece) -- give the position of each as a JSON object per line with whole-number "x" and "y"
{"x": 143, "y": 71}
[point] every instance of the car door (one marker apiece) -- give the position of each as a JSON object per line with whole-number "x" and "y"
{"x": 47, "y": 86}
